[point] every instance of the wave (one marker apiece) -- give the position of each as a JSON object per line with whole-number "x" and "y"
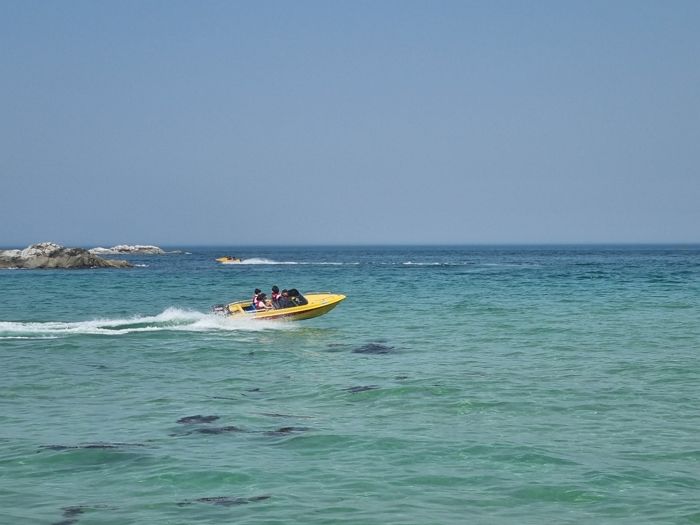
{"x": 171, "y": 319}
{"x": 475, "y": 266}
{"x": 261, "y": 260}
{"x": 434, "y": 263}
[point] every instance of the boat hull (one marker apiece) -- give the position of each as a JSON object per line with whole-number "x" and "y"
{"x": 318, "y": 304}
{"x": 228, "y": 260}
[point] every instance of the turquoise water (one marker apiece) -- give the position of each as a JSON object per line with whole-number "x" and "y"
{"x": 454, "y": 385}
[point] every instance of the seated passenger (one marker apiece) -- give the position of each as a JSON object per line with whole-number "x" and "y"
{"x": 275, "y": 297}
{"x": 261, "y": 303}
{"x": 252, "y": 302}
{"x": 284, "y": 301}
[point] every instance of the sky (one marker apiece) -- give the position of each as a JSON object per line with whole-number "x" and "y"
{"x": 349, "y": 122}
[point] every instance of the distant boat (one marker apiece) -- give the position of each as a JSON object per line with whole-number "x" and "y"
{"x": 228, "y": 260}
{"x": 312, "y": 305}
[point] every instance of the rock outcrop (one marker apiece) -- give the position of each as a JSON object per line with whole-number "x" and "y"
{"x": 128, "y": 249}
{"x": 51, "y": 255}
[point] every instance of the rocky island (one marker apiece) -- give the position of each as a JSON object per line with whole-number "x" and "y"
{"x": 52, "y": 255}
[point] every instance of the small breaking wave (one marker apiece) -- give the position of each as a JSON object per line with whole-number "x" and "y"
{"x": 261, "y": 260}
{"x": 171, "y": 319}
{"x": 475, "y": 266}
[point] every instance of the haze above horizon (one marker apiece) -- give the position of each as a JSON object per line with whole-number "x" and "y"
{"x": 358, "y": 123}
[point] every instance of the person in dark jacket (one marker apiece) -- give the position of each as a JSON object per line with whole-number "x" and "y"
{"x": 284, "y": 301}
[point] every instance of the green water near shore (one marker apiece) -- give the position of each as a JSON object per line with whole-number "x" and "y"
{"x": 515, "y": 385}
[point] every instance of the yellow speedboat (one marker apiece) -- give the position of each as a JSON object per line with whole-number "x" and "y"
{"x": 317, "y": 303}
{"x": 228, "y": 260}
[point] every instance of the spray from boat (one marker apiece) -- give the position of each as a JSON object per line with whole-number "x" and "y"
{"x": 170, "y": 320}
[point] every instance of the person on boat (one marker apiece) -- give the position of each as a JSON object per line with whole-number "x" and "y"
{"x": 275, "y": 297}
{"x": 260, "y": 302}
{"x": 254, "y": 301}
{"x": 284, "y": 301}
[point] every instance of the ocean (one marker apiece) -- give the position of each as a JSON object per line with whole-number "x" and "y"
{"x": 480, "y": 385}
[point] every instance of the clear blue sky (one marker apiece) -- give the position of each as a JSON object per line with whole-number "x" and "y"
{"x": 223, "y": 122}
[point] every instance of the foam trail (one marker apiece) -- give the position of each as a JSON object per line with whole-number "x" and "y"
{"x": 261, "y": 260}
{"x": 171, "y": 319}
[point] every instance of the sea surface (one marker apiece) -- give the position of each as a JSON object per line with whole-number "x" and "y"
{"x": 480, "y": 385}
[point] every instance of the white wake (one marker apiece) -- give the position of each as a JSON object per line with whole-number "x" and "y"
{"x": 262, "y": 260}
{"x": 171, "y": 319}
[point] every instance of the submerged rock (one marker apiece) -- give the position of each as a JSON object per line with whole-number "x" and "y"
{"x": 364, "y": 388}
{"x": 91, "y": 446}
{"x": 275, "y": 414}
{"x": 218, "y": 430}
{"x": 285, "y": 430}
{"x": 52, "y": 255}
{"x": 190, "y": 420}
{"x": 73, "y": 512}
{"x": 225, "y": 501}
{"x": 373, "y": 348}
{"x": 69, "y": 512}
